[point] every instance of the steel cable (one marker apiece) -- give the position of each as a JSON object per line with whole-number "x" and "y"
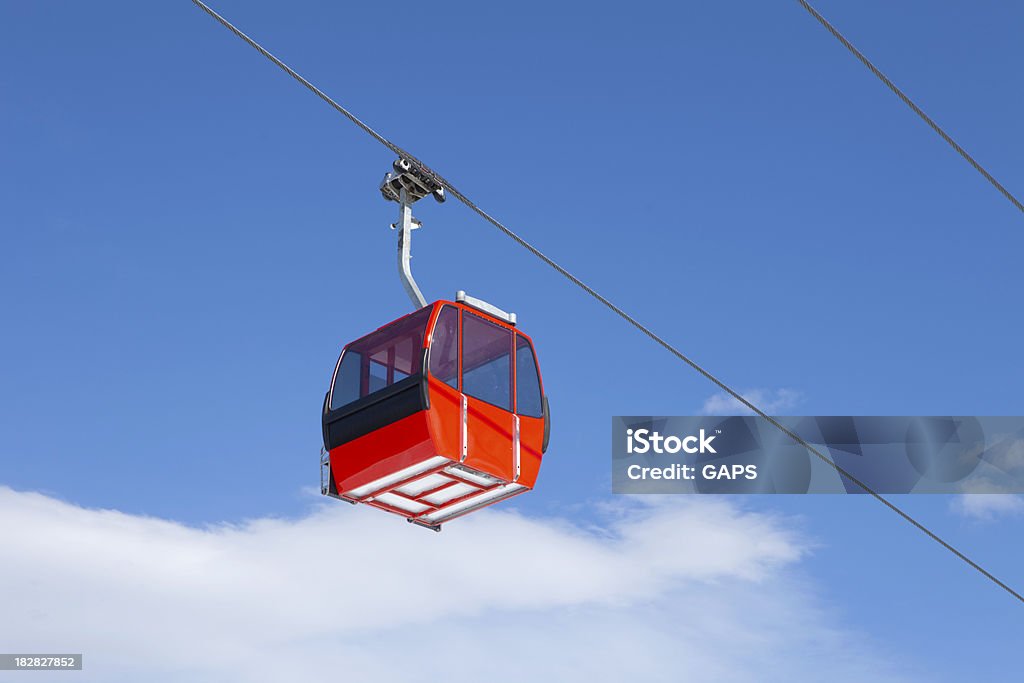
{"x": 910, "y": 103}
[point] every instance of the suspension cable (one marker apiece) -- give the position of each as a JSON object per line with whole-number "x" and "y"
{"x": 618, "y": 311}
{"x": 910, "y": 103}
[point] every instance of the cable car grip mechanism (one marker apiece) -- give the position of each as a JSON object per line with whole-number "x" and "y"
{"x": 407, "y": 184}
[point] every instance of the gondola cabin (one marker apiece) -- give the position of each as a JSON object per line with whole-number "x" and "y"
{"x": 435, "y": 415}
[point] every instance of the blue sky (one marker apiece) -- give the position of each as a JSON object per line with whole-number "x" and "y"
{"x": 187, "y": 237}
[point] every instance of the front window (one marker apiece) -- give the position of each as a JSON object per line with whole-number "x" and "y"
{"x": 444, "y": 347}
{"x": 380, "y": 359}
{"x": 528, "y": 397}
{"x": 486, "y": 361}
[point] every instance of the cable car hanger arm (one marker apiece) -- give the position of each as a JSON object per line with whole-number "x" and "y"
{"x": 407, "y": 184}
{"x": 406, "y": 224}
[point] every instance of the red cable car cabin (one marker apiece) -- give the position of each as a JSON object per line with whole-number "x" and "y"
{"x": 435, "y": 415}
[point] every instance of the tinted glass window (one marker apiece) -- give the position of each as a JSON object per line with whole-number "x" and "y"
{"x": 378, "y": 376}
{"x": 444, "y": 347}
{"x": 528, "y": 397}
{"x": 486, "y": 361}
{"x": 346, "y": 383}
{"x": 380, "y": 359}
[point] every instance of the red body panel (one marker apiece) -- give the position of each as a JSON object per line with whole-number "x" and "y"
{"x": 489, "y": 446}
{"x": 531, "y": 441}
{"x": 445, "y": 419}
{"x": 382, "y": 452}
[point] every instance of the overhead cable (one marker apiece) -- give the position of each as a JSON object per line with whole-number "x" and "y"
{"x": 910, "y": 103}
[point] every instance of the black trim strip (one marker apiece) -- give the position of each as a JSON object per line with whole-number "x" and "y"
{"x": 323, "y": 413}
{"x": 424, "y": 384}
{"x": 368, "y": 400}
{"x": 372, "y": 412}
{"x": 547, "y": 426}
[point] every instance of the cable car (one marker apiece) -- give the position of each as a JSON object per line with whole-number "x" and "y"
{"x": 439, "y": 413}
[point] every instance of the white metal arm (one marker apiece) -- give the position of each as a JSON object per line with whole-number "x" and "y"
{"x": 406, "y": 224}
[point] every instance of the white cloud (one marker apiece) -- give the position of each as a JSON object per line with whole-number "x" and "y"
{"x": 988, "y": 493}
{"x": 773, "y": 402}
{"x": 987, "y": 507}
{"x": 670, "y": 590}
{"x": 985, "y": 500}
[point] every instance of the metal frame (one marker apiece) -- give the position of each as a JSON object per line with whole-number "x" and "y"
{"x": 464, "y": 426}
{"x": 448, "y": 469}
{"x": 327, "y": 480}
{"x": 407, "y": 184}
{"x": 516, "y": 455}
{"x": 489, "y": 309}
{"x": 406, "y": 224}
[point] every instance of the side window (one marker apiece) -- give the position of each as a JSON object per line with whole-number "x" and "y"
{"x": 405, "y": 356}
{"x": 528, "y": 397}
{"x": 486, "y": 361}
{"x": 378, "y": 375}
{"x": 380, "y": 359}
{"x": 444, "y": 347}
{"x": 346, "y": 384}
